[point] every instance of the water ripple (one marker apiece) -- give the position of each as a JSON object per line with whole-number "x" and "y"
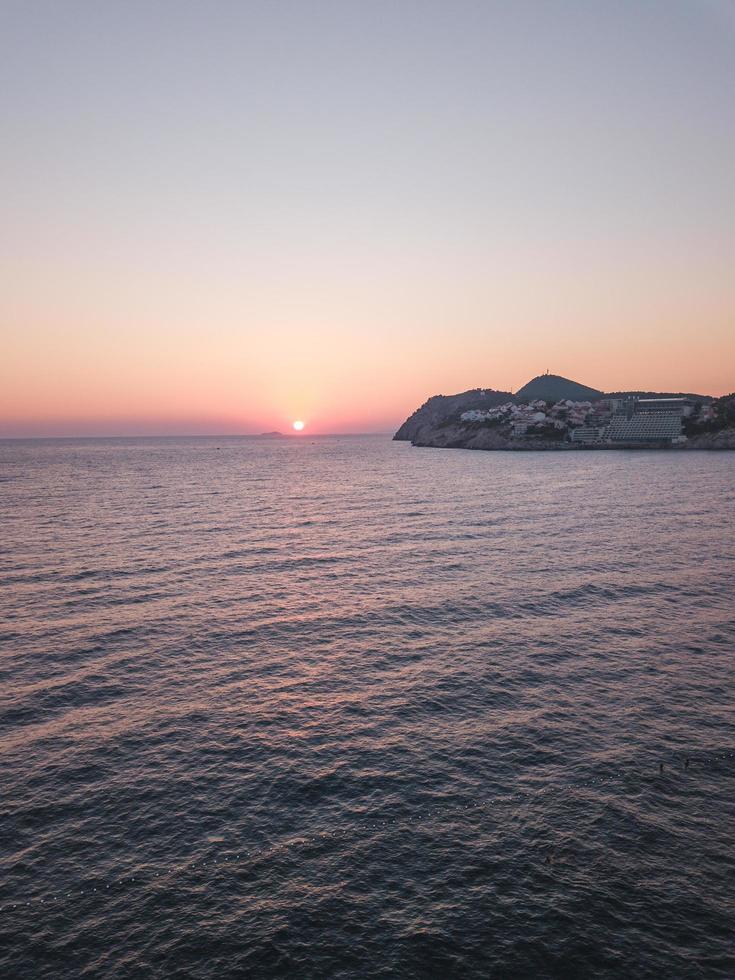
{"x": 346, "y": 709}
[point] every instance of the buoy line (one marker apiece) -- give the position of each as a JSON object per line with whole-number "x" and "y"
{"x": 685, "y": 764}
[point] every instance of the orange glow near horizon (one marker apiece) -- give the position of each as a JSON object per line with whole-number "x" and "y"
{"x": 87, "y": 385}
{"x": 277, "y": 236}
{"x": 117, "y": 353}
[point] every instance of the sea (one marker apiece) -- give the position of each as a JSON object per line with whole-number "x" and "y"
{"x": 338, "y": 707}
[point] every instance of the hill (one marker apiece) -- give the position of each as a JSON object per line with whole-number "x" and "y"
{"x": 659, "y": 394}
{"x": 440, "y": 407}
{"x": 554, "y": 388}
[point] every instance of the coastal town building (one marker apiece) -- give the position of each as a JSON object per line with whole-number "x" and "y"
{"x": 682, "y": 407}
{"x": 630, "y": 420}
{"x": 587, "y": 434}
{"x": 653, "y": 427}
{"x": 616, "y": 404}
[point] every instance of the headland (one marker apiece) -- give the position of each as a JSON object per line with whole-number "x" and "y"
{"x": 555, "y": 413}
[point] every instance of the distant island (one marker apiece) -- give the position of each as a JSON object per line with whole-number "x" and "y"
{"x": 270, "y": 435}
{"x": 555, "y": 413}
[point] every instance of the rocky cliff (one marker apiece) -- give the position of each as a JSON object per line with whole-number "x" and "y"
{"x": 723, "y": 439}
{"x": 458, "y": 435}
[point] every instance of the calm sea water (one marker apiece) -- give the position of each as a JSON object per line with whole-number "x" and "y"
{"x": 344, "y": 708}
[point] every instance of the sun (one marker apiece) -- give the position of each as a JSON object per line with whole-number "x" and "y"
{"x": 298, "y": 425}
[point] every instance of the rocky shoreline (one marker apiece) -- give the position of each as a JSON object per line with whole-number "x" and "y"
{"x": 458, "y": 436}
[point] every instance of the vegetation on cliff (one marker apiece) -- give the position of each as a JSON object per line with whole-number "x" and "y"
{"x": 723, "y": 417}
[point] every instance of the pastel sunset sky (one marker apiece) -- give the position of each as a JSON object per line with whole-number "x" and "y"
{"x": 224, "y": 216}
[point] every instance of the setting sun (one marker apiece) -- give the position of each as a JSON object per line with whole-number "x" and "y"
{"x": 298, "y": 425}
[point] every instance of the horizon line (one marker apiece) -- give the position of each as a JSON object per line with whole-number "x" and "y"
{"x": 202, "y": 435}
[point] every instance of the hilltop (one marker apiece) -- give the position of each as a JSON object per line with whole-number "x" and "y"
{"x": 554, "y": 388}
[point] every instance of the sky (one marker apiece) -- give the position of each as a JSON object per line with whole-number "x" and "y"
{"x": 219, "y": 217}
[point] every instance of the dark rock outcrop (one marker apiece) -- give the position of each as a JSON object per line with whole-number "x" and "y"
{"x": 721, "y": 439}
